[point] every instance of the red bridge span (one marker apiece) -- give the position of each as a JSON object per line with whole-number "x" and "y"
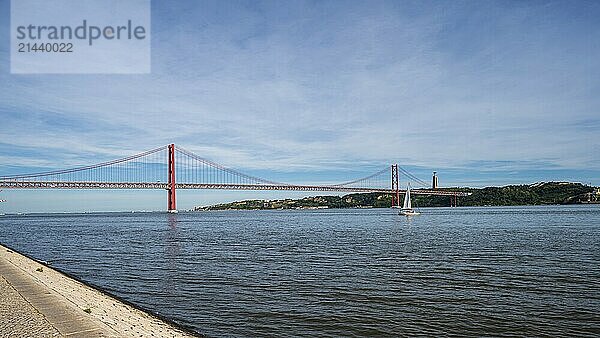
{"x": 172, "y": 168}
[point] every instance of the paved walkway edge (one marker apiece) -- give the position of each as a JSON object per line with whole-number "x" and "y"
{"x": 77, "y": 309}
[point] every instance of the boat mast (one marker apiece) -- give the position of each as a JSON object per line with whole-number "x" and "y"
{"x": 407, "y": 204}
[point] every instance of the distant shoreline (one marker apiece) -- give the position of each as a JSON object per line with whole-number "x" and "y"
{"x": 381, "y": 208}
{"x": 200, "y": 209}
{"x": 550, "y": 193}
{"x": 543, "y": 193}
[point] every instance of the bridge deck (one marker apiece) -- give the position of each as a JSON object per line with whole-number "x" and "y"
{"x": 219, "y": 186}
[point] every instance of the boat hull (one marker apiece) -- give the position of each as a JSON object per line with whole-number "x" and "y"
{"x": 409, "y": 213}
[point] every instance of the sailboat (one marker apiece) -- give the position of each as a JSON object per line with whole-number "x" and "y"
{"x": 407, "y": 209}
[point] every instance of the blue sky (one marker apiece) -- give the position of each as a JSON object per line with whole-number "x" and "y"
{"x": 484, "y": 92}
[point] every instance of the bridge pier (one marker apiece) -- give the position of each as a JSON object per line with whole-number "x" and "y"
{"x": 395, "y": 186}
{"x": 453, "y": 200}
{"x": 171, "y": 200}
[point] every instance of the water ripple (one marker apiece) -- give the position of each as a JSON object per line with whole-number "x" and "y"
{"x": 510, "y": 272}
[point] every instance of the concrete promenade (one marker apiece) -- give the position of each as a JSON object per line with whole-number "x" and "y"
{"x": 38, "y": 301}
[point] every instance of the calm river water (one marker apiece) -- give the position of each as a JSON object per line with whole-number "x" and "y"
{"x": 513, "y": 271}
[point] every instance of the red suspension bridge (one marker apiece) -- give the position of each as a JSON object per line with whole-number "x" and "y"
{"x": 172, "y": 168}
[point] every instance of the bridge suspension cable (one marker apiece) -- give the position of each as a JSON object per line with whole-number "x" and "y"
{"x": 149, "y": 166}
{"x": 422, "y": 183}
{"x": 200, "y": 165}
{"x": 366, "y": 179}
{"x": 84, "y": 168}
{"x": 369, "y": 179}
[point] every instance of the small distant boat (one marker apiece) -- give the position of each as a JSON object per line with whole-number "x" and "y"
{"x": 407, "y": 209}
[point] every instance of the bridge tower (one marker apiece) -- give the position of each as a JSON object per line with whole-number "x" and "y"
{"x": 395, "y": 186}
{"x": 172, "y": 201}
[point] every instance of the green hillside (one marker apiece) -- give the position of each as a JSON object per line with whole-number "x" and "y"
{"x": 533, "y": 194}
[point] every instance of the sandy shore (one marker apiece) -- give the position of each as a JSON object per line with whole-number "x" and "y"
{"x": 38, "y": 301}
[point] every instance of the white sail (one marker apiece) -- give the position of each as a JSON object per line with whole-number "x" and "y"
{"x": 407, "y": 204}
{"x": 407, "y": 207}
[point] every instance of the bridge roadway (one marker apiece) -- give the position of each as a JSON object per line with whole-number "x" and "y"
{"x": 220, "y": 186}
